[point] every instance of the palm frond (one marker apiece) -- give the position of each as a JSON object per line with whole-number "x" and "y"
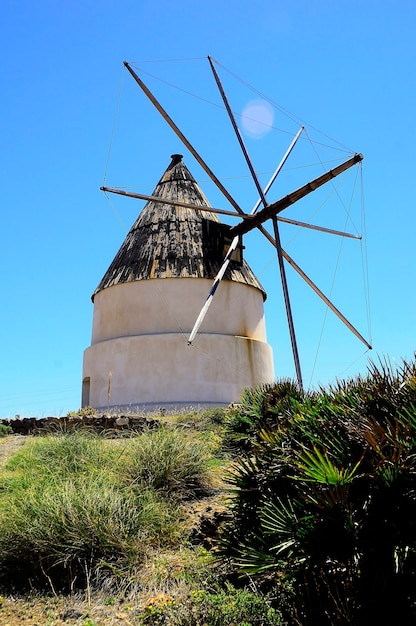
{"x": 318, "y": 467}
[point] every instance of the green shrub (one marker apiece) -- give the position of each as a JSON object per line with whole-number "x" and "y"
{"x": 328, "y": 498}
{"x": 227, "y": 606}
{"x": 234, "y": 606}
{"x": 215, "y": 415}
{"x": 5, "y": 430}
{"x": 264, "y": 406}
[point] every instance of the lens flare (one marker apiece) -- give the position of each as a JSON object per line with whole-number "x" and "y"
{"x": 257, "y": 118}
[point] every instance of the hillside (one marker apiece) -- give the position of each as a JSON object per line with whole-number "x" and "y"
{"x": 290, "y": 508}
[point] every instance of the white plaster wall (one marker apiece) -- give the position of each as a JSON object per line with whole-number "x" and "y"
{"x": 173, "y": 304}
{"x": 162, "y": 368}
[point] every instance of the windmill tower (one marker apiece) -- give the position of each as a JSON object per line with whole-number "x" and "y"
{"x": 146, "y": 304}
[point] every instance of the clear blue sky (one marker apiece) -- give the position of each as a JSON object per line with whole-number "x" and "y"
{"x": 345, "y": 67}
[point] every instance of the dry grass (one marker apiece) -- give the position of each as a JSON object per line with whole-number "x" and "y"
{"x": 9, "y": 445}
{"x": 59, "y": 610}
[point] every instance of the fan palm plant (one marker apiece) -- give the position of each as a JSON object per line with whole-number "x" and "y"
{"x": 329, "y": 500}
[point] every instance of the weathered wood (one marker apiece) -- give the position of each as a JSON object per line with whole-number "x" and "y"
{"x": 288, "y": 305}
{"x": 323, "y": 297}
{"x": 186, "y": 205}
{"x": 175, "y": 242}
{"x": 237, "y": 133}
{"x": 182, "y": 137}
{"x": 275, "y": 226}
{"x": 321, "y": 229}
{"x": 295, "y": 196}
{"x": 236, "y": 242}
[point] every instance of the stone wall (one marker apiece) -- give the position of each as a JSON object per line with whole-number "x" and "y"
{"x": 105, "y": 424}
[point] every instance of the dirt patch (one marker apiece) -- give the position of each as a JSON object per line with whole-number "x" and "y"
{"x": 9, "y": 445}
{"x": 60, "y": 611}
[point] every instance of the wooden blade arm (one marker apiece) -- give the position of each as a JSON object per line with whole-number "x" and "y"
{"x": 315, "y": 288}
{"x": 321, "y": 229}
{"x": 279, "y": 167}
{"x": 234, "y": 244}
{"x": 238, "y": 134}
{"x": 184, "y": 140}
{"x": 283, "y": 203}
{"x": 325, "y": 299}
{"x": 176, "y": 203}
{"x": 275, "y": 225}
{"x": 288, "y": 306}
{"x": 213, "y": 289}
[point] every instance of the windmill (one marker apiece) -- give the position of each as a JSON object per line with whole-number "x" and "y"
{"x": 259, "y": 215}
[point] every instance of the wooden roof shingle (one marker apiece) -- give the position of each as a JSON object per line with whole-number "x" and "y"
{"x": 175, "y": 242}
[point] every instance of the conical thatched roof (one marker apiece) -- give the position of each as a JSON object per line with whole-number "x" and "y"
{"x": 174, "y": 242}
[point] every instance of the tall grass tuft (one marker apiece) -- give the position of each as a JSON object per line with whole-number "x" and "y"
{"x": 73, "y": 504}
{"x": 168, "y": 460}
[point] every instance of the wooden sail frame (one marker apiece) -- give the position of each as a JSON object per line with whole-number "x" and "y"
{"x": 256, "y": 218}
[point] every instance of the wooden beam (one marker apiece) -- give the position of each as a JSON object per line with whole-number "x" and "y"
{"x": 316, "y": 289}
{"x": 175, "y": 203}
{"x": 323, "y": 297}
{"x": 234, "y": 244}
{"x": 182, "y": 137}
{"x": 237, "y": 133}
{"x": 321, "y": 229}
{"x": 298, "y": 194}
{"x": 288, "y": 306}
